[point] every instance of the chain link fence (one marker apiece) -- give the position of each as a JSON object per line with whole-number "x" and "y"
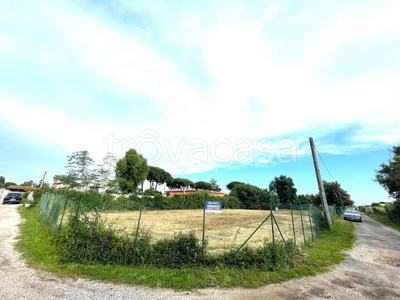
{"x": 280, "y": 222}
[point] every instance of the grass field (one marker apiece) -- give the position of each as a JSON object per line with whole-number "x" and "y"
{"x": 227, "y": 230}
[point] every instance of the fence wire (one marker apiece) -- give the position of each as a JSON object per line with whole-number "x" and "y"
{"x": 280, "y": 222}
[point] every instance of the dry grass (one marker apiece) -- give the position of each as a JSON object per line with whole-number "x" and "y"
{"x": 227, "y": 230}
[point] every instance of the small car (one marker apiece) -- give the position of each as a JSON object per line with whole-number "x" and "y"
{"x": 13, "y": 198}
{"x": 352, "y": 215}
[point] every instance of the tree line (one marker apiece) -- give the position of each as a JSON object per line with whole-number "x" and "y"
{"x": 128, "y": 174}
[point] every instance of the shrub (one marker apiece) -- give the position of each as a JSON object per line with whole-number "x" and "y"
{"x": 393, "y": 211}
{"x": 271, "y": 256}
{"x": 87, "y": 239}
{"x": 183, "y": 250}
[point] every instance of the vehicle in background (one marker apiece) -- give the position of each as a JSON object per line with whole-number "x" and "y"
{"x": 13, "y": 198}
{"x": 352, "y": 215}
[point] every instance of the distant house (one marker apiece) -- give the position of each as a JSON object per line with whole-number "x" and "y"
{"x": 171, "y": 193}
{"x": 19, "y": 188}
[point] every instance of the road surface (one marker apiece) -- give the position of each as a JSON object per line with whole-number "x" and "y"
{"x": 371, "y": 271}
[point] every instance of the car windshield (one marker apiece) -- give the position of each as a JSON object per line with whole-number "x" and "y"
{"x": 14, "y": 194}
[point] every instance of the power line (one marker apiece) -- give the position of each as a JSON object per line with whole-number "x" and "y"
{"x": 324, "y": 164}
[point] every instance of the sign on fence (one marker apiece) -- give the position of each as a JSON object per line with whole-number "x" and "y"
{"x": 213, "y": 207}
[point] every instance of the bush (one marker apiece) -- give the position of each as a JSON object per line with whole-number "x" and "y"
{"x": 271, "y": 256}
{"x": 87, "y": 239}
{"x": 393, "y": 211}
{"x": 183, "y": 250}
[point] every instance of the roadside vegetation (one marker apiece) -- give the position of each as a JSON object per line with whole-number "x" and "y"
{"x": 385, "y": 214}
{"x": 388, "y": 176}
{"x": 66, "y": 230}
{"x": 40, "y": 250}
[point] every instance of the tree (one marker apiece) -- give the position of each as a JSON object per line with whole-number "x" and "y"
{"x": 215, "y": 186}
{"x": 180, "y": 184}
{"x": 158, "y": 176}
{"x": 27, "y": 183}
{"x": 388, "y": 175}
{"x": 250, "y": 196}
{"x": 335, "y": 195}
{"x": 203, "y": 185}
{"x": 7, "y": 184}
{"x": 105, "y": 173}
{"x": 231, "y": 186}
{"x": 80, "y": 173}
{"x": 306, "y": 199}
{"x": 284, "y": 188}
{"x": 131, "y": 171}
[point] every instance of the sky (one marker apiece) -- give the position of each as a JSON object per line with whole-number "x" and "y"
{"x": 230, "y": 90}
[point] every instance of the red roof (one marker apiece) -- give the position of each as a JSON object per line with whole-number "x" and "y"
{"x": 19, "y": 187}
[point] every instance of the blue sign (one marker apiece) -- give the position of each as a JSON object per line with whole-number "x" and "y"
{"x": 213, "y": 206}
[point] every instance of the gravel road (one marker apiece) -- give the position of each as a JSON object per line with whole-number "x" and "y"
{"x": 372, "y": 271}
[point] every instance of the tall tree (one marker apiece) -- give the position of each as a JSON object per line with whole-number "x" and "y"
{"x": 335, "y": 194}
{"x": 27, "y": 183}
{"x": 181, "y": 184}
{"x": 131, "y": 171}
{"x": 284, "y": 188}
{"x": 250, "y": 196}
{"x": 215, "y": 186}
{"x": 203, "y": 185}
{"x": 106, "y": 173}
{"x": 158, "y": 176}
{"x": 80, "y": 173}
{"x": 388, "y": 174}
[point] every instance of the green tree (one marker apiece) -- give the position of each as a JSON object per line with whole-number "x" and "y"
{"x": 250, "y": 196}
{"x": 27, "y": 183}
{"x": 105, "y": 173}
{"x": 131, "y": 171}
{"x": 215, "y": 186}
{"x": 231, "y": 186}
{"x": 388, "y": 174}
{"x": 7, "y": 184}
{"x": 335, "y": 195}
{"x": 180, "y": 184}
{"x": 306, "y": 198}
{"x": 80, "y": 172}
{"x": 284, "y": 188}
{"x": 203, "y": 185}
{"x": 158, "y": 176}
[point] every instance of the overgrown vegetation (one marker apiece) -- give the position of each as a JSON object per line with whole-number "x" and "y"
{"x": 87, "y": 239}
{"x": 41, "y": 250}
{"x": 385, "y": 214}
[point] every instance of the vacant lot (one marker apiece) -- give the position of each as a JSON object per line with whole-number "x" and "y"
{"x": 223, "y": 231}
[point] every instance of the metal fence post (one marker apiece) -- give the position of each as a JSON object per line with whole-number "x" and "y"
{"x": 293, "y": 227}
{"x": 302, "y": 224}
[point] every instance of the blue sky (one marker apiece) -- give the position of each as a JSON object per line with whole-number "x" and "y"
{"x": 204, "y": 89}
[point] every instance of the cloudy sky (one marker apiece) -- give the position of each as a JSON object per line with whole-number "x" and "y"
{"x": 230, "y": 90}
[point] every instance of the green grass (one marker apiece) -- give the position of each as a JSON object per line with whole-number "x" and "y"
{"x": 384, "y": 219}
{"x": 36, "y": 246}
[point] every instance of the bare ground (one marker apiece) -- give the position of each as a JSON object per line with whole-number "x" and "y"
{"x": 372, "y": 271}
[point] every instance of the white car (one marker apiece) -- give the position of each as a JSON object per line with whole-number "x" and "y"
{"x": 352, "y": 215}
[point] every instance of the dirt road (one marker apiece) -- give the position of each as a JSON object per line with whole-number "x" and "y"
{"x": 372, "y": 271}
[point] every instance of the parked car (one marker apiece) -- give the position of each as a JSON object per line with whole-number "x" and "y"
{"x": 13, "y": 198}
{"x": 352, "y": 215}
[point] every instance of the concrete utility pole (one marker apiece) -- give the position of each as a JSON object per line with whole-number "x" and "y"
{"x": 44, "y": 176}
{"x": 324, "y": 203}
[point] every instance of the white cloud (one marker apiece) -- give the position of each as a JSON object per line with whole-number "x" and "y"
{"x": 292, "y": 98}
